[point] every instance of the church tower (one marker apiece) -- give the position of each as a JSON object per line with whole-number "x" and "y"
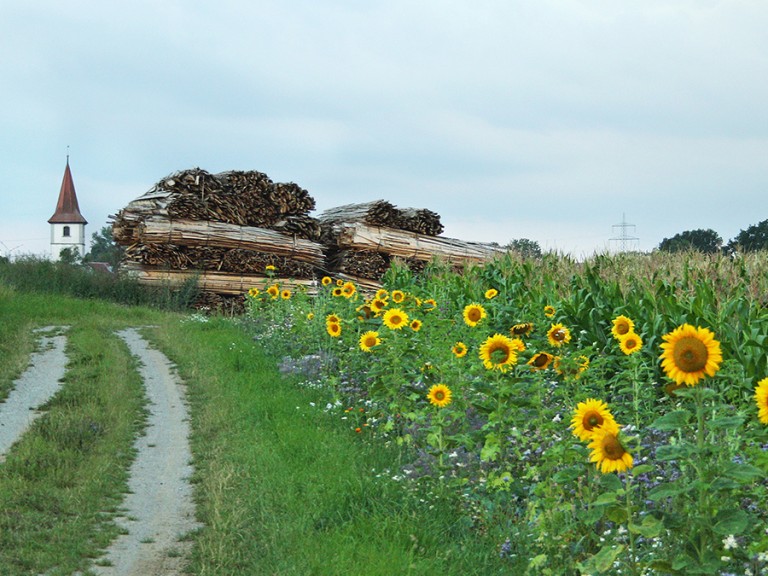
{"x": 67, "y": 224}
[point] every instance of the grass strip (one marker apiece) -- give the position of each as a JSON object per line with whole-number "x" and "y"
{"x": 284, "y": 487}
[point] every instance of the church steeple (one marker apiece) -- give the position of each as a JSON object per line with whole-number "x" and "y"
{"x": 67, "y": 223}
{"x": 67, "y": 209}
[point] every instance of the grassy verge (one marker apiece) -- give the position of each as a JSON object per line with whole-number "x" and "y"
{"x": 285, "y": 487}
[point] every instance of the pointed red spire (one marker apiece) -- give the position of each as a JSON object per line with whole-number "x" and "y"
{"x": 67, "y": 210}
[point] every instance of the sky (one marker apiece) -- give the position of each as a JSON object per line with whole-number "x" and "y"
{"x": 550, "y": 120}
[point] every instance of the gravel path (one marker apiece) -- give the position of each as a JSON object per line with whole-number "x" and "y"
{"x": 34, "y": 387}
{"x": 159, "y": 506}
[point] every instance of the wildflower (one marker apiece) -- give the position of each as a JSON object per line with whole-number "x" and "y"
{"x": 608, "y": 452}
{"x": 395, "y": 319}
{"x": 439, "y": 395}
{"x": 459, "y": 349}
{"x": 690, "y": 354}
{"x": 473, "y": 314}
{"x": 549, "y": 311}
{"x": 729, "y": 542}
{"x": 630, "y": 343}
{"x": 369, "y": 340}
{"x": 523, "y": 329}
{"x": 588, "y": 416}
{"x": 398, "y": 296}
{"x": 491, "y": 293}
{"x": 415, "y": 325}
{"x": 621, "y": 326}
{"x": 540, "y": 361}
{"x": 499, "y": 352}
{"x": 310, "y": 316}
{"x": 333, "y": 329}
{"x": 761, "y": 398}
{"x": 558, "y": 335}
{"x": 326, "y": 280}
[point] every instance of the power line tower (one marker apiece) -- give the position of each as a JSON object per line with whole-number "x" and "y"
{"x": 625, "y": 242}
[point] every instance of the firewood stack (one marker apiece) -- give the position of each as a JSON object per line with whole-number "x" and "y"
{"x": 363, "y": 239}
{"x": 224, "y": 228}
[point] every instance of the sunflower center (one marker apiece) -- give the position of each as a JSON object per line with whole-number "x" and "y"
{"x": 622, "y": 328}
{"x": 439, "y": 395}
{"x": 558, "y": 335}
{"x": 499, "y": 354}
{"x": 540, "y": 361}
{"x": 613, "y": 448}
{"x": 395, "y": 319}
{"x": 474, "y": 315}
{"x": 690, "y": 354}
{"x": 630, "y": 343}
{"x": 592, "y": 420}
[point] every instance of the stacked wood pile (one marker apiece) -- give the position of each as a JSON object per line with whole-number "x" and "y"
{"x": 224, "y": 229}
{"x": 362, "y": 240}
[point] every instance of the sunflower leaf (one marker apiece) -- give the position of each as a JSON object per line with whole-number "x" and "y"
{"x": 744, "y": 473}
{"x": 733, "y": 521}
{"x": 675, "y": 420}
{"x": 603, "y": 560}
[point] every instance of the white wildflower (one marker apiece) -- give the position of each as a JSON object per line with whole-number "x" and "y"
{"x": 729, "y": 542}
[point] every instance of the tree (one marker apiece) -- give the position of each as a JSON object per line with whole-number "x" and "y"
{"x": 525, "y": 247}
{"x": 69, "y": 255}
{"x": 752, "y": 239}
{"x": 706, "y": 241}
{"x": 104, "y": 248}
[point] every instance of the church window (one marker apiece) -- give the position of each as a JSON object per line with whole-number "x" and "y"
{"x": 65, "y": 233}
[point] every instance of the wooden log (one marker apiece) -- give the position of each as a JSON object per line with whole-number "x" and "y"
{"x": 162, "y": 230}
{"x": 405, "y": 244}
{"x": 216, "y": 282}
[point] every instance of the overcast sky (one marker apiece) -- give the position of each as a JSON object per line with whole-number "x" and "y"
{"x": 550, "y": 120}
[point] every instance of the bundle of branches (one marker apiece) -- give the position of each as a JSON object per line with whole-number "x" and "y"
{"x": 403, "y": 244}
{"x": 383, "y": 213}
{"x": 359, "y": 263}
{"x": 227, "y": 304}
{"x": 162, "y": 230}
{"x": 235, "y": 260}
{"x": 214, "y": 281}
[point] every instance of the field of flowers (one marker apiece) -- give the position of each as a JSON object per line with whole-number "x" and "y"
{"x": 602, "y": 417}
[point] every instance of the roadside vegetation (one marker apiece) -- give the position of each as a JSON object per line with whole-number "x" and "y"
{"x": 530, "y": 416}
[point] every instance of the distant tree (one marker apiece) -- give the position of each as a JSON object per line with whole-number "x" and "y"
{"x": 752, "y": 239}
{"x": 525, "y": 247}
{"x": 706, "y": 241}
{"x": 104, "y": 248}
{"x": 69, "y": 255}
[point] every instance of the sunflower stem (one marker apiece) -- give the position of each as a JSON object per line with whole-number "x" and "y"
{"x": 700, "y": 467}
{"x": 628, "y": 503}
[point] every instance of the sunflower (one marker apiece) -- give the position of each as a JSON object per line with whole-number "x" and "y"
{"x": 253, "y": 292}
{"x": 588, "y": 416}
{"x": 348, "y": 289}
{"x": 274, "y": 291}
{"x": 540, "y": 361}
{"x": 332, "y": 319}
{"x": 690, "y": 354}
{"x": 473, "y": 313}
{"x": 395, "y": 318}
{"x": 338, "y": 291}
{"x": 630, "y": 343}
{"x": 761, "y": 397}
{"x": 549, "y": 311}
{"x": 622, "y": 325}
{"x": 608, "y": 452}
{"x": 439, "y": 395}
{"x": 382, "y": 294}
{"x": 339, "y": 282}
{"x": 333, "y": 329}
{"x": 377, "y": 305}
{"x": 326, "y": 281}
{"x": 415, "y": 325}
{"x": 429, "y": 304}
{"x": 285, "y": 294}
{"x": 310, "y": 316}
{"x": 571, "y": 367}
{"x": 397, "y": 296}
{"x": 270, "y": 268}
{"x": 523, "y": 329}
{"x": 498, "y": 352}
{"x": 491, "y": 293}
{"x": 558, "y": 335}
{"x": 459, "y": 349}
{"x": 368, "y": 340}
